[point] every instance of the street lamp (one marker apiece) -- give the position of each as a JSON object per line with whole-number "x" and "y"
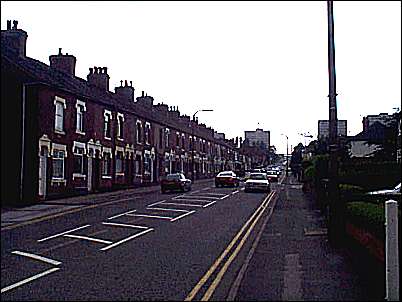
{"x": 287, "y": 153}
{"x": 192, "y": 143}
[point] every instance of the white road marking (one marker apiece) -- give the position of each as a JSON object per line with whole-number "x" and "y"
{"x": 242, "y": 189}
{"x": 158, "y": 202}
{"x": 29, "y": 279}
{"x": 121, "y": 214}
{"x": 195, "y": 191}
{"x": 225, "y": 196}
{"x": 218, "y": 194}
{"x": 181, "y": 216}
{"x": 206, "y": 188}
{"x": 126, "y": 239}
{"x": 183, "y": 204}
{"x": 61, "y": 234}
{"x": 163, "y": 209}
{"x": 37, "y": 257}
{"x": 197, "y": 196}
{"x": 151, "y": 216}
{"x": 200, "y": 200}
{"x": 88, "y": 238}
{"x": 233, "y": 193}
{"x": 207, "y": 205}
{"x": 126, "y": 225}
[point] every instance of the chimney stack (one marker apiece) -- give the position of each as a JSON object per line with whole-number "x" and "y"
{"x": 15, "y": 38}
{"x": 146, "y": 101}
{"x": 99, "y": 78}
{"x": 125, "y": 92}
{"x": 64, "y": 63}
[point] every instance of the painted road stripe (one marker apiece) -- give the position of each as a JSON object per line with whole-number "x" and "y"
{"x": 29, "y": 279}
{"x": 207, "y": 205}
{"x": 181, "y": 216}
{"x": 158, "y": 202}
{"x": 225, "y": 196}
{"x": 126, "y": 239}
{"x": 200, "y": 200}
{"x": 163, "y": 209}
{"x": 211, "y": 289}
{"x": 126, "y": 225}
{"x": 151, "y": 216}
{"x": 196, "y": 196}
{"x": 233, "y": 193}
{"x": 205, "y": 278}
{"x": 183, "y": 204}
{"x": 219, "y": 194}
{"x": 195, "y": 191}
{"x": 37, "y": 257}
{"x": 121, "y": 214}
{"x": 89, "y": 238}
{"x": 61, "y": 234}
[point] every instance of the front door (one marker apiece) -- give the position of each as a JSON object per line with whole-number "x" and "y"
{"x": 42, "y": 173}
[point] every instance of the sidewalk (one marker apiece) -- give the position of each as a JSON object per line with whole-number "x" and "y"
{"x": 11, "y": 216}
{"x": 294, "y": 261}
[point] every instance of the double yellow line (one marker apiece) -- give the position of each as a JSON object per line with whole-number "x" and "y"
{"x": 253, "y": 220}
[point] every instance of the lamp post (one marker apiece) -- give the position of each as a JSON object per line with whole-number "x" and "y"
{"x": 192, "y": 143}
{"x": 287, "y": 154}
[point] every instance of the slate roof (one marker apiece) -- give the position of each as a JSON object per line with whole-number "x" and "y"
{"x": 43, "y": 73}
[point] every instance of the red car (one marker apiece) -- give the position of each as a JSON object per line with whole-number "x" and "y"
{"x": 226, "y": 178}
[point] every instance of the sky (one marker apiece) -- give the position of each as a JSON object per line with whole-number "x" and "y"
{"x": 255, "y": 64}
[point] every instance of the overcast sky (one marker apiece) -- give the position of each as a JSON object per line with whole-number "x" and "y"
{"x": 256, "y": 64}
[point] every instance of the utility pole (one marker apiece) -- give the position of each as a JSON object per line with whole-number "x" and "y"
{"x": 336, "y": 212}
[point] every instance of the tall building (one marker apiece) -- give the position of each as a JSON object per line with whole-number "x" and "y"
{"x": 323, "y": 128}
{"x": 383, "y": 118}
{"x": 258, "y": 137}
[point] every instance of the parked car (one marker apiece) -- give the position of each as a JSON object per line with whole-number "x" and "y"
{"x": 226, "y": 178}
{"x": 175, "y": 181}
{"x": 272, "y": 175}
{"x": 387, "y": 192}
{"x": 257, "y": 181}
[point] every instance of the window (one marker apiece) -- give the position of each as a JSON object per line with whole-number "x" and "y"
{"x": 60, "y": 105}
{"x": 183, "y": 141}
{"x": 147, "y": 164}
{"x": 138, "y": 132}
{"x": 120, "y": 120}
{"x": 147, "y": 133}
{"x": 191, "y": 142}
{"x": 167, "y": 131}
{"x": 119, "y": 162}
{"x": 177, "y": 139}
{"x": 58, "y": 164}
{"x": 80, "y": 116}
{"x": 106, "y": 164}
{"x": 107, "y": 124}
{"x": 160, "y": 137}
{"x": 79, "y": 160}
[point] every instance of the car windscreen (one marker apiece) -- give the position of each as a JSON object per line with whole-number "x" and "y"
{"x": 225, "y": 174}
{"x": 258, "y": 176}
{"x": 173, "y": 177}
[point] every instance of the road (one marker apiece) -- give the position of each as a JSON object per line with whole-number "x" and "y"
{"x": 175, "y": 246}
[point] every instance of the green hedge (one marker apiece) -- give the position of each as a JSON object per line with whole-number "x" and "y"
{"x": 368, "y": 216}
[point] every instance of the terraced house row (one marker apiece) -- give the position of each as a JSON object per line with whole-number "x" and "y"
{"x": 65, "y": 135}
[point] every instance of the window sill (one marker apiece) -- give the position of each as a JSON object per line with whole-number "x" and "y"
{"x": 79, "y": 175}
{"x": 120, "y": 139}
{"x": 59, "y": 132}
{"x": 108, "y": 138}
{"x": 106, "y": 177}
{"x": 120, "y": 174}
{"x": 79, "y": 132}
{"x": 58, "y": 181}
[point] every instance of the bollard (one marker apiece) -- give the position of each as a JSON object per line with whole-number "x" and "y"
{"x": 391, "y": 251}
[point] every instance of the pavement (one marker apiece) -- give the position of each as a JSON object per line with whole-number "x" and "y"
{"x": 294, "y": 261}
{"x": 290, "y": 259}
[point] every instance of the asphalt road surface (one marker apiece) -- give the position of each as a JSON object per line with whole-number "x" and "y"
{"x": 174, "y": 246}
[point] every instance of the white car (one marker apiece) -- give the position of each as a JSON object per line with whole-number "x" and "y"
{"x": 396, "y": 190}
{"x": 257, "y": 182}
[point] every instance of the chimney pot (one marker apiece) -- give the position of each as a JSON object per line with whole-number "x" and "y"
{"x": 125, "y": 83}
{"x": 15, "y": 23}
{"x": 105, "y": 70}
{"x": 96, "y": 69}
{"x": 131, "y": 83}
{"x": 8, "y": 24}
{"x": 59, "y": 50}
{"x": 121, "y": 83}
{"x": 143, "y": 93}
{"x": 66, "y": 53}
{"x": 91, "y": 70}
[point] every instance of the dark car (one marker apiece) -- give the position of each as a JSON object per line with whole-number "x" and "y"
{"x": 226, "y": 178}
{"x": 175, "y": 181}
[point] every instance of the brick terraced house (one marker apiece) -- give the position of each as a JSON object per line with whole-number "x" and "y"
{"x": 63, "y": 135}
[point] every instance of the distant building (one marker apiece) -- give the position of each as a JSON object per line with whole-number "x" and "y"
{"x": 323, "y": 128}
{"x": 258, "y": 137}
{"x": 219, "y": 135}
{"x": 383, "y": 118}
